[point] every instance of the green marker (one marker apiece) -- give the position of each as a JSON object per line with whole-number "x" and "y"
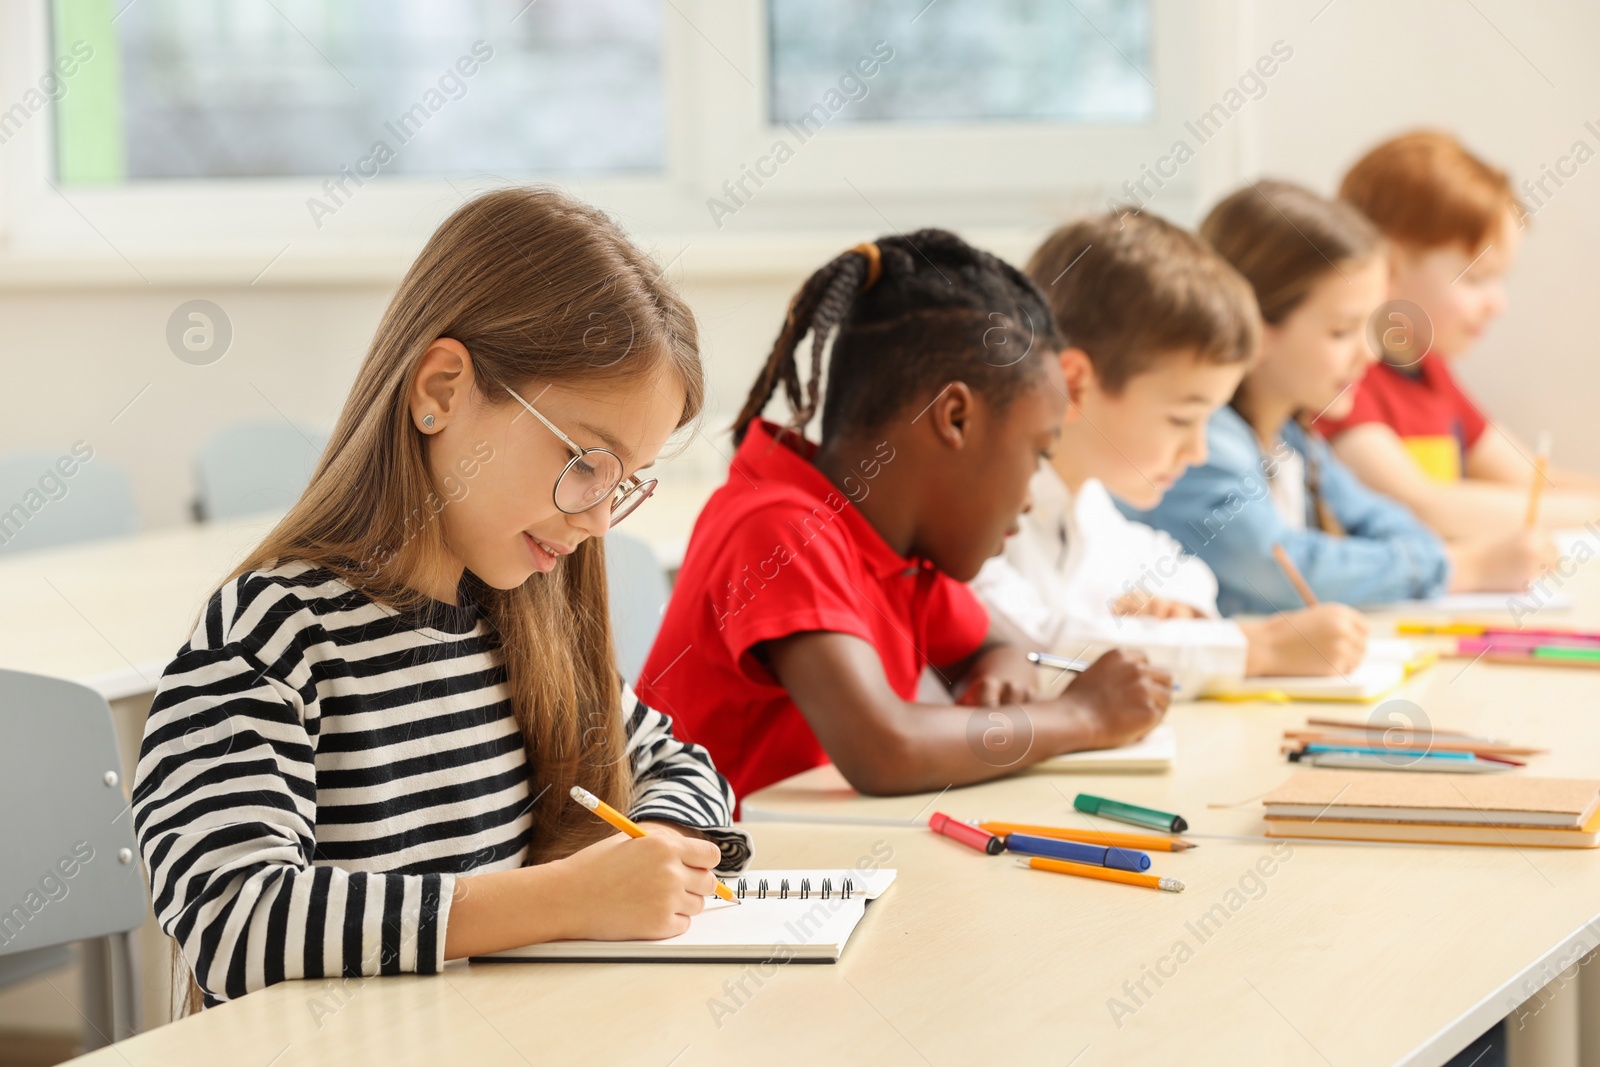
{"x": 1568, "y": 655}
{"x": 1130, "y": 813}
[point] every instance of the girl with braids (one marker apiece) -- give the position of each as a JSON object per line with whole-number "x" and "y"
{"x": 823, "y": 578}
{"x": 1319, "y": 273}
{"x": 359, "y": 764}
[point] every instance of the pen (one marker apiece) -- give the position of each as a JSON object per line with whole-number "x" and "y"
{"x": 1123, "y": 859}
{"x": 1063, "y": 663}
{"x": 1105, "y": 874}
{"x": 1092, "y": 837}
{"x": 1050, "y": 659}
{"x": 629, "y": 827}
{"x": 1129, "y": 813}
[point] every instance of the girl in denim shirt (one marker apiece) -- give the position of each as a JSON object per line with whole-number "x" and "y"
{"x": 1319, "y": 272}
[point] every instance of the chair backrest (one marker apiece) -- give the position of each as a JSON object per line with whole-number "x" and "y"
{"x": 49, "y": 499}
{"x": 71, "y": 867}
{"x": 254, "y": 467}
{"x": 638, "y": 592}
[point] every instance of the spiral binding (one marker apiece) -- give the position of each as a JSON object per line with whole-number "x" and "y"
{"x": 763, "y": 890}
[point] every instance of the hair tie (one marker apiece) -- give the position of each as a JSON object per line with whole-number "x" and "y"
{"x": 869, "y": 249}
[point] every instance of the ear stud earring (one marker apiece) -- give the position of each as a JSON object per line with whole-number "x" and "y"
{"x": 427, "y": 421}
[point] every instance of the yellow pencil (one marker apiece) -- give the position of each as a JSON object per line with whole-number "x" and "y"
{"x": 1091, "y": 837}
{"x": 1541, "y": 467}
{"x": 629, "y": 827}
{"x": 1296, "y": 579}
{"x": 1105, "y": 874}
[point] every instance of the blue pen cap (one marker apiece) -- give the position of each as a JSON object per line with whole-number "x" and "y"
{"x": 1127, "y": 859}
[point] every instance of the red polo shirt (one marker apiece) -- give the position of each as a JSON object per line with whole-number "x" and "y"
{"x": 1423, "y": 405}
{"x": 780, "y": 550}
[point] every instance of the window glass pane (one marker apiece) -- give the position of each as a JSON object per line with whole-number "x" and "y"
{"x": 263, "y": 88}
{"x": 962, "y": 60}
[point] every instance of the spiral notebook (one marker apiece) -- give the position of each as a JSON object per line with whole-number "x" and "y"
{"x": 801, "y": 916}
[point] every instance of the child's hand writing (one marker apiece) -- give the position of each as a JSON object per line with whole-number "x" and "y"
{"x": 1502, "y": 564}
{"x": 1121, "y": 697}
{"x": 1314, "y": 642}
{"x": 648, "y": 887}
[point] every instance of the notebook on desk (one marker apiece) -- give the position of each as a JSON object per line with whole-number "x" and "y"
{"x": 1389, "y": 661}
{"x": 1151, "y": 754}
{"x": 802, "y": 916}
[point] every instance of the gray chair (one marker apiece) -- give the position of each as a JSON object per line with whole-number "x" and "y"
{"x": 41, "y": 506}
{"x": 254, "y": 467}
{"x": 638, "y": 594}
{"x": 71, "y": 871}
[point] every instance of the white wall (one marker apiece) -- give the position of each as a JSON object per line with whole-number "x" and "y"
{"x": 76, "y": 354}
{"x": 1364, "y": 71}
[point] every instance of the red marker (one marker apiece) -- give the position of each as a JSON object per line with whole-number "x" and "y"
{"x": 966, "y": 833}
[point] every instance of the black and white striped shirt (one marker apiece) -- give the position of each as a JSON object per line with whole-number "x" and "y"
{"x": 318, "y": 768}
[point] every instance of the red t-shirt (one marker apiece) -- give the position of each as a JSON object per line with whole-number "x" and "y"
{"x": 1437, "y": 422}
{"x": 779, "y": 550}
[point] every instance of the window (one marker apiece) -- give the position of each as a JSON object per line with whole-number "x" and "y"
{"x": 1084, "y": 61}
{"x": 420, "y": 88}
{"x": 191, "y": 126}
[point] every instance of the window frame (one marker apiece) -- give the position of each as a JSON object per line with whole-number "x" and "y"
{"x": 849, "y": 178}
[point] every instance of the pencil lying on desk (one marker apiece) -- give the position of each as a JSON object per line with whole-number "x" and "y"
{"x": 631, "y": 828}
{"x": 1541, "y": 467}
{"x": 1091, "y": 837}
{"x": 1296, "y": 579}
{"x": 1105, "y": 874}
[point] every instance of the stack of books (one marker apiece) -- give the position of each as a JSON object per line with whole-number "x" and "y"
{"x": 1444, "y": 809}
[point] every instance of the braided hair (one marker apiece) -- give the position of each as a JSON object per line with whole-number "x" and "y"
{"x": 908, "y": 314}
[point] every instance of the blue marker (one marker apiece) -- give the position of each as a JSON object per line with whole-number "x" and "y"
{"x": 1123, "y": 859}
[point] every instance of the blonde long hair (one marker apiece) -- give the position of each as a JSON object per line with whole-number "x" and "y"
{"x": 538, "y": 287}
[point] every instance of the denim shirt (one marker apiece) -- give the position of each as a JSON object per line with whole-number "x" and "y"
{"x": 1222, "y": 512}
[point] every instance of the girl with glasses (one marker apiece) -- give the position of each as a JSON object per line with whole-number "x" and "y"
{"x": 360, "y": 762}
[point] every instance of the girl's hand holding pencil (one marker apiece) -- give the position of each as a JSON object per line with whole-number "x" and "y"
{"x": 648, "y": 887}
{"x": 637, "y": 884}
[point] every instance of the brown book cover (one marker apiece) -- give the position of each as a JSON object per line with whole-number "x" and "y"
{"x": 1586, "y": 836}
{"x": 1391, "y": 796}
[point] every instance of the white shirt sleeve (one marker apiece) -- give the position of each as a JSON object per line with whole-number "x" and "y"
{"x": 1064, "y": 603}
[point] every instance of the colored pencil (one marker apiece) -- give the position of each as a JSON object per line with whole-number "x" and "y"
{"x": 1091, "y": 837}
{"x": 1105, "y": 874}
{"x": 1541, "y": 467}
{"x": 1296, "y": 579}
{"x": 1482, "y": 629}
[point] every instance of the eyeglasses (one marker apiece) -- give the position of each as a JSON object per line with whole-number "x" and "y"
{"x": 592, "y": 475}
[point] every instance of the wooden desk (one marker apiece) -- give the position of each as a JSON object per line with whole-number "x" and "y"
{"x": 1293, "y": 956}
{"x": 111, "y": 614}
{"x": 1277, "y": 953}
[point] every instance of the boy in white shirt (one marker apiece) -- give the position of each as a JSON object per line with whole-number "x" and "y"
{"x": 1160, "y": 330}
